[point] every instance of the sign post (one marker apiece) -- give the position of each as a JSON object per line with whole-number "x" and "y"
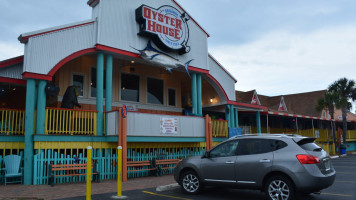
{"x": 119, "y": 174}
{"x": 89, "y": 153}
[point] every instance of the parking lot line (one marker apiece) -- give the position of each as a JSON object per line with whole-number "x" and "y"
{"x": 343, "y": 195}
{"x": 162, "y": 195}
{"x": 346, "y": 181}
{"x": 342, "y": 166}
{"x": 345, "y": 173}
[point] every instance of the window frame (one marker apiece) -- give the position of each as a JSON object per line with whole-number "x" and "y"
{"x": 175, "y": 100}
{"x": 220, "y": 146}
{"x": 139, "y": 87}
{"x": 84, "y": 81}
{"x": 163, "y": 90}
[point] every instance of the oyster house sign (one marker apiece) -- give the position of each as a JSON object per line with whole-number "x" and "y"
{"x": 166, "y": 26}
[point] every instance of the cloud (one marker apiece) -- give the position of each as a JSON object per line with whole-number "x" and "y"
{"x": 282, "y": 62}
{"x": 9, "y": 50}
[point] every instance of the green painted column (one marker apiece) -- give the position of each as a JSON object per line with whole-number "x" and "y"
{"x": 199, "y": 93}
{"x": 108, "y": 91}
{"x": 258, "y": 122}
{"x": 194, "y": 93}
{"x": 236, "y": 118}
{"x": 41, "y": 107}
{"x": 232, "y": 113}
{"x": 99, "y": 92}
{"x": 29, "y": 130}
{"x": 227, "y": 115}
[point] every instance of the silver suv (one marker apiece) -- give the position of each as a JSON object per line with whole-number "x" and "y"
{"x": 281, "y": 165}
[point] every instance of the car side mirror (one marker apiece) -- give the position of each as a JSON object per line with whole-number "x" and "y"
{"x": 206, "y": 155}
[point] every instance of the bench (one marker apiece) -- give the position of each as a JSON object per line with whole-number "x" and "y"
{"x": 155, "y": 166}
{"x": 70, "y": 170}
{"x": 165, "y": 165}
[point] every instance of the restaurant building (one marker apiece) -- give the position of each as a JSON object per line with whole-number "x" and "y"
{"x": 73, "y": 85}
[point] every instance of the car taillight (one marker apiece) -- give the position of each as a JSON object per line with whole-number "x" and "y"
{"x": 308, "y": 159}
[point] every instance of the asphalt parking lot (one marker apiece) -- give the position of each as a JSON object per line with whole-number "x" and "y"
{"x": 344, "y": 188}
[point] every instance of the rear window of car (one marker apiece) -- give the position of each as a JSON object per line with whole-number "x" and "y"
{"x": 310, "y": 146}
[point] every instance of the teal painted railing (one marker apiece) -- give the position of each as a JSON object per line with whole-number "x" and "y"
{"x": 172, "y": 153}
{"x": 106, "y": 165}
{"x": 106, "y": 160}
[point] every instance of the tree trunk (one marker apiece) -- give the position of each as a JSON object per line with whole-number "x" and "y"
{"x": 333, "y": 128}
{"x": 344, "y": 124}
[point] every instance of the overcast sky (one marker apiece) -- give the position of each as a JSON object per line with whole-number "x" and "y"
{"x": 276, "y": 47}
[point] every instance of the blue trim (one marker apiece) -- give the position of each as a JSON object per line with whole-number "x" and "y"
{"x": 258, "y": 122}
{"x": 219, "y": 139}
{"x": 164, "y": 139}
{"x": 108, "y": 76}
{"x": 236, "y": 118}
{"x": 41, "y": 107}
{"x": 99, "y": 93}
{"x": 74, "y": 138}
{"x": 10, "y": 138}
{"x": 29, "y": 130}
{"x": 199, "y": 93}
{"x": 194, "y": 94}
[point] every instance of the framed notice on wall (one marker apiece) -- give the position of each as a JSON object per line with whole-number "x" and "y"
{"x": 169, "y": 125}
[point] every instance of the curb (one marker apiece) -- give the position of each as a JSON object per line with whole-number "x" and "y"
{"x": 167, "y": 187}
{"x": 333, "y": 157}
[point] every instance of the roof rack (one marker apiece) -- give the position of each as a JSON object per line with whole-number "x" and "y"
{"x": 267, "y": 134}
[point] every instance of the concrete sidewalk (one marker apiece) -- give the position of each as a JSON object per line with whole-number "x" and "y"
{"x": 62, "y": 191}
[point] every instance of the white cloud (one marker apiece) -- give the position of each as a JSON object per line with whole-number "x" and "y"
{"x": 9, "y": 50}
{"x": 283, "y": 63}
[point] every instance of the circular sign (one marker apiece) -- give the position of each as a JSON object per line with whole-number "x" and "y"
{"x": 167, "y": 24}
{"x": 124, "y": 111}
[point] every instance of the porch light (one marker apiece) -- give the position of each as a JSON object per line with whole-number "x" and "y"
{"x": 13, "y": 89}
{"x": 132, "y": 61}
{"x": 91, "y": 84}
{"x": 212, "y": 99}
{"x": 123, "y": 88}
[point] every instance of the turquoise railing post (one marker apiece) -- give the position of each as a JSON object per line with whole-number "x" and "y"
{"x": 227, "y": 115}
{"x": 194, "y": 93}
{"x": 41, "y": 107}
{"x": 258, "y": 122}
{"x": 29, "y": 130}
{"x": 99, "y": 92}
{"x": 232, "y": 113}
{"x": 236, "y": 118}
{"x": 199, "y": 93}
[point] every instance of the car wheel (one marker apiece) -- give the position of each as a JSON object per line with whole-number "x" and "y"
{"x": 279, "y": 188}
{"x": 190, "y": 182}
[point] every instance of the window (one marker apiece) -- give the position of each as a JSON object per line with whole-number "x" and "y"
{"x": 154, "y": 91}
{"x": 224, "y": 150}
{"x": 277, "y": 144}
{"x": 130, "y": 87}
{"x": 254, "y": 146}
{"x": 171, "y": 97}
{"x": 93, "y": 83}
{"x": 78, "y": 81}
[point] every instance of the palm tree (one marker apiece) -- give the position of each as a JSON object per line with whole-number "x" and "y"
{"x": 346, "y": 91}
{"x": 328, "y": 103}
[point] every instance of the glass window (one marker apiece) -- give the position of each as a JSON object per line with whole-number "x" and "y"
{"x": 130, "y": 87}
{"x": 93, "y": 83}
{"x": 154, "y": 91}
{"x": 224, "y": 150}
{"x": 277, "y": 144}
{"x": 171, "y": 97}
{"x": 78, "y": 81}
{"x": 254, "y": 146}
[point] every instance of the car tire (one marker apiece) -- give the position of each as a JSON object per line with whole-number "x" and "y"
{"x": 280, "y": 187}
{"x": 190, "y": 183}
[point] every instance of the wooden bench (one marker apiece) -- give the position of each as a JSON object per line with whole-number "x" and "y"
{"x": 70, "y": 170}
{"x": 165, "y": 165}
{"x": 155, "y": 166}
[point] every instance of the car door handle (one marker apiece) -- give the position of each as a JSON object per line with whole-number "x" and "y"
{"x": 230, "y": 162}
{"x": 265, "y": 160}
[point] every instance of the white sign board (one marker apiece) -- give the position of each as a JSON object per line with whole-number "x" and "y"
{"x": 317, "y": 134}
{"x": 169, "y": 125}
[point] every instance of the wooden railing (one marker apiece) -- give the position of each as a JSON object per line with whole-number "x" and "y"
{"x": 70, "y": 122}
{"x": 219, "y": 128}
{"x": 12, "y": 122}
